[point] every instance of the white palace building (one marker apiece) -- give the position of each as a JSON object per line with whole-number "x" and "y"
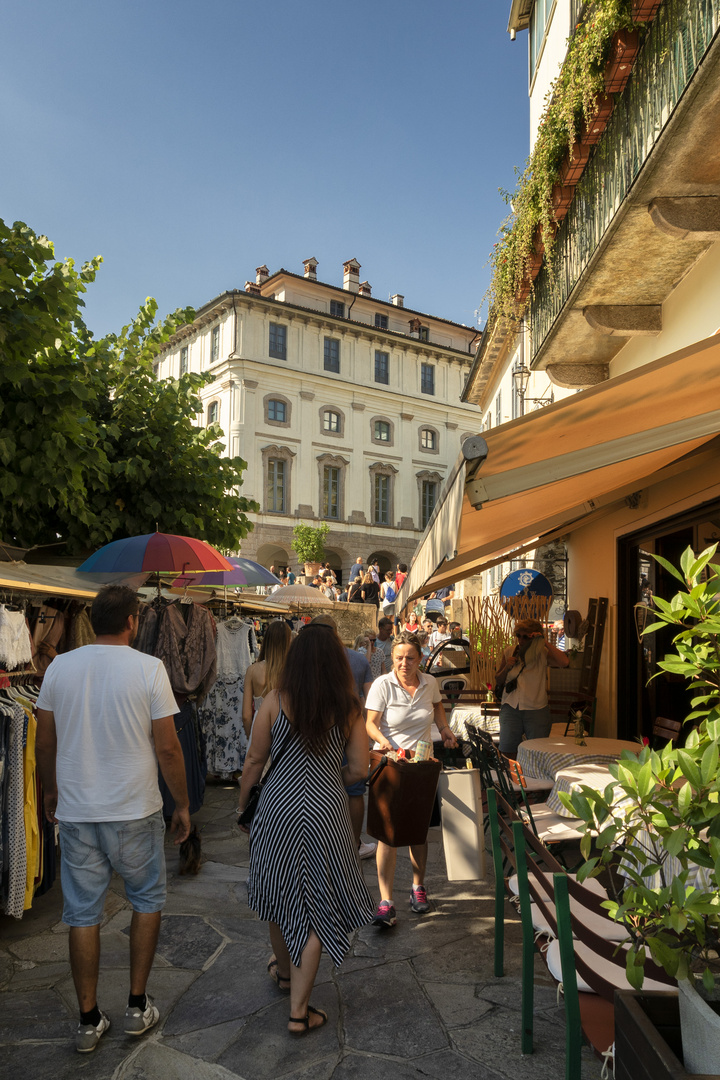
{"x": 345, "y": 407}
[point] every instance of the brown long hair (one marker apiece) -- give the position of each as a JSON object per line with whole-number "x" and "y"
{"x": 318, "y": 687}
{"x": 274, "y": 649}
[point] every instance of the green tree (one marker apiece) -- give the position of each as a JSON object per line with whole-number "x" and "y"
{"x": 92, "y": 446}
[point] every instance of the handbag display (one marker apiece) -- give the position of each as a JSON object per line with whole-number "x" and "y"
{"x": 401, "y": 796}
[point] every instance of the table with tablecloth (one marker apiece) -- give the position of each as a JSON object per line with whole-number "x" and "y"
{"x": 483, "y": 716}
{"x": 592, "y": 774}
{"x": 544, "y": 758}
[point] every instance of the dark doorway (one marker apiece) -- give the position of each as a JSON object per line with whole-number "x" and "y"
{"x": 642, "y": 698}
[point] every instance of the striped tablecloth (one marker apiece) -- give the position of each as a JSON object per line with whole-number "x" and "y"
{"x": 485, "y": 719}
{"x": 590, "y": 773}
{"x": 545, "y": 758}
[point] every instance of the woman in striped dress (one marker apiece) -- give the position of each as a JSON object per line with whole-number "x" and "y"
{"x": 305, "y": 876}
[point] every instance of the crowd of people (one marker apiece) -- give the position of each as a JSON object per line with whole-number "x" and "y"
{"x": 105, "y": 724}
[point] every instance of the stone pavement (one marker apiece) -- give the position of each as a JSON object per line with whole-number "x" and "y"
{"x": 416, "y": 1001}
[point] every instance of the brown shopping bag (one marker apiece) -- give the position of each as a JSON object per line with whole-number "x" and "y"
{"x": 401, "y": 796}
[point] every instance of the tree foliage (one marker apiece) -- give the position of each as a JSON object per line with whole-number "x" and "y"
{"x": 92, "y": 446}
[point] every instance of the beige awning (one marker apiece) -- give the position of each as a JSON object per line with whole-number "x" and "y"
{"x": 555, "y": 467}
{"x": 47, "y": 580}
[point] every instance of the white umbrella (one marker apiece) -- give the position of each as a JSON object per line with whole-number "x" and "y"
{"x": 299, "y": 596}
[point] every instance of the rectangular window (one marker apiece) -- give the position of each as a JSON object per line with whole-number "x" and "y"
{"x": 276, "y": 486}
{"x": 215, "y": 344}
{"x": 278, "y": 341}
{"x": 429, "y": 498}
{"x": 427, "y": 378}
{"x": 332, "y": 355}
{"x": 381, "y": 509}
{"x": 331, "y": 492}
{"x": 184, "y": 360}
{"x": 382, "y": 431}
{"x": 337, "y": 308}
{"x": 381, "y": 321}
{"x": 424, "y": 333}
{"x": 212, "y": 413}
{"x": 382, "y": 367}
{"x": 276, "y": 411}
{"x": 498, "y": 409}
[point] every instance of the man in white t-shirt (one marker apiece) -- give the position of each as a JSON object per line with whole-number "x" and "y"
{"x": 105, "y": 723}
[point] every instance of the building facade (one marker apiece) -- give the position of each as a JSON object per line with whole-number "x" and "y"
{"x": 628, "y": 466}
{"x": 344, "y": 406}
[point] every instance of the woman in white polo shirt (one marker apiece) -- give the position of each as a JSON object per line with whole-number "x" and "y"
{"x": 401, "y": 707}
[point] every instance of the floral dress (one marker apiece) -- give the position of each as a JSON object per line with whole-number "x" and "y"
{"x": 221, "y": 711}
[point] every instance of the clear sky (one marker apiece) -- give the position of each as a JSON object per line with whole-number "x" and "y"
{"x": 189, "y": 142}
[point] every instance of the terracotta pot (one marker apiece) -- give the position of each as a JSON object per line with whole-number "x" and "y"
{"x": 592, "y": 130}
{"x": 574, "y": 164}
{"x": 534, "y": 264}
{"x": 524, "y": 290}
{"x": 644, "y": 10}
{"x": 312, "y": 569}
{"x": 561, "y": 198}
{"x": 623, "y": 51}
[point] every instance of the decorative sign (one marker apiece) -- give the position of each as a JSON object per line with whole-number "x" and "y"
{"x": 523, "y": 589}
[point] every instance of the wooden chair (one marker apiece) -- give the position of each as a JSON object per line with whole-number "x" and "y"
{"x": 588, "y": 943}
{"x": 563, "y": 702}
{"x": 665, "y": 731}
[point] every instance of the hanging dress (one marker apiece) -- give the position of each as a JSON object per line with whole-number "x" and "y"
{"x": 221, "y": 711}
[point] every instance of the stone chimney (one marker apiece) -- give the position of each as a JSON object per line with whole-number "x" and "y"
{"x": 365, "y": 288}
{"x": 398, "y": 299}
{"x": 261, "y": 274}
{"x": 351, "y": 275}
{"x": 252, "y": 287}
{"x": 310, "y": 269}
{"x": 414, "y": 328}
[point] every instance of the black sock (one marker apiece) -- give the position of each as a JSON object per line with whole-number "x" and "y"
{"x": 137, "y": 1001}
{"x": 93, "y": 1017}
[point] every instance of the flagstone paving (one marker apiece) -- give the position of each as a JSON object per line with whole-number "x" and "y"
{"x": 417, "y": 1001}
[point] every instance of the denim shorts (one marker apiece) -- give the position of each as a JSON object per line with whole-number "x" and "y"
{"x": 91, "y": 850}
{"x": 358, "y": 788}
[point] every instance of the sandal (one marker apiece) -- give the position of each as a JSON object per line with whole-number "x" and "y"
{"x": 306, "y": 1021}
{"x": 277, "y": 978}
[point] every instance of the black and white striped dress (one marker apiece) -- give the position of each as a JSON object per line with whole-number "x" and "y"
{"x": 304, "y": 869}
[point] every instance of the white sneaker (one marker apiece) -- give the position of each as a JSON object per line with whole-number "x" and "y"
{"x": 88, "y": 1035}
{"x": 366, "y": 850}
{"x": 137, "y": 1021}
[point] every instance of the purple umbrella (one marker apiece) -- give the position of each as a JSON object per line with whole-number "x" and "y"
{"x": 244, "y": 572}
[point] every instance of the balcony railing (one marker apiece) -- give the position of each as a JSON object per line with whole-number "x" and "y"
{"x": 674, "y": 47}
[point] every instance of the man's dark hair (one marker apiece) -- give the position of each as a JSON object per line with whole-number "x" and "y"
{"x": 384, "y": 621}
{"x": 111, "y": 607}
{"x": 402, "y": 567}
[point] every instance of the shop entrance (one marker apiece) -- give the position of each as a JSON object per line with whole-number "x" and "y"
{"x": 641, "y": 698}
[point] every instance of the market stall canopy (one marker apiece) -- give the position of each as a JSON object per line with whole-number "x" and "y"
{"x": 57, "y": 580}
{"x": 550, "y": 470}
{"x": 299, "y": 596}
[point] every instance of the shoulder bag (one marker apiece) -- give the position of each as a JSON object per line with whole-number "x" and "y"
{"x": 245, "y": 816}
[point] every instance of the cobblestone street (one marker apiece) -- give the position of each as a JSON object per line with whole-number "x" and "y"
{"x": 419, "y": 1000}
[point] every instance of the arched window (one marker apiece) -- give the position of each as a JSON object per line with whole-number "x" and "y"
{"x": 278, "y": 410}
{"x": 213, "y": 413}
{"x": 382, "y": 430}
{"x": 428, "y": 439}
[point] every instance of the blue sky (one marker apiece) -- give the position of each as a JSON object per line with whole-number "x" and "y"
{"x": 188, "y": 142}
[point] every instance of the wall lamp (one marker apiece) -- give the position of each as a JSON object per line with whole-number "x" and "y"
{"x": 521, "y": 377}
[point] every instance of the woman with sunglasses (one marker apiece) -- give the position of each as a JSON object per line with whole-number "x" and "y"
{"x": 524, "y": 708}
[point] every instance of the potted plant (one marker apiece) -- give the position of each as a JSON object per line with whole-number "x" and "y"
{"x": 309, "y": 545}
{"x": 657, "y": 825}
